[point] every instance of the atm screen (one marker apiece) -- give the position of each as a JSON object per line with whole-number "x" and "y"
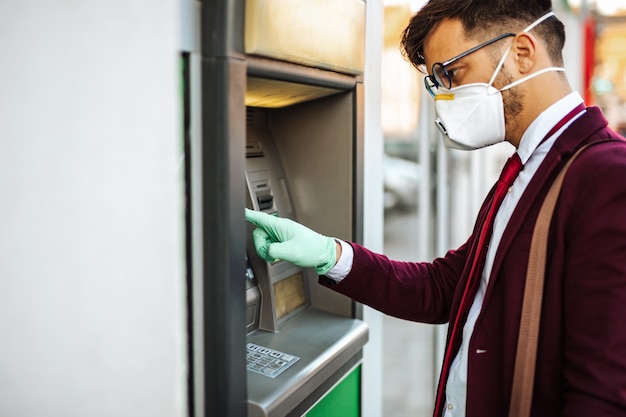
{"x": 281, "y": 285}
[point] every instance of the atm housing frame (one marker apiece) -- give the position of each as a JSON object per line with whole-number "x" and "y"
{"x": 219, "y": 386}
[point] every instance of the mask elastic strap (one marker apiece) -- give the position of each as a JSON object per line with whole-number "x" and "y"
{"x": 538, "y": 21}
{"x": 533, "y": 75}
{"x": 499, "y": 66}
{"x": 501, "y": 63}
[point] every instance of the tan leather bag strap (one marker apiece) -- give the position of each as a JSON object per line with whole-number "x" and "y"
{"x": 524, "y": 374}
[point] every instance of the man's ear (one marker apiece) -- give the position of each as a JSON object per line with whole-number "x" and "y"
{"x": 524, "y": 52}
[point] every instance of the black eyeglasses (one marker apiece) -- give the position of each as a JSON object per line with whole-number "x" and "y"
{"x": 441, "y": 78}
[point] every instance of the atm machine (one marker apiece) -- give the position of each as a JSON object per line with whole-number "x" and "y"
{"x": 281, "y": 115}
{"x": 301, "y": 337}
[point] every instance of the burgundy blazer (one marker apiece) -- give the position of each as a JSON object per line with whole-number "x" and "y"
{"x": 581, "y": 357}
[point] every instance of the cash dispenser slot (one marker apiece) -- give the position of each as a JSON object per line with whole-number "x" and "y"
{"x": 297, "y": 347}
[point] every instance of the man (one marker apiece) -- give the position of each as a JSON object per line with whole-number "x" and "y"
{"x": 495, "y": 71}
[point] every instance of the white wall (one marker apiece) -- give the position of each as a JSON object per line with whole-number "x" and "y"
{"x": 91, "y": 222}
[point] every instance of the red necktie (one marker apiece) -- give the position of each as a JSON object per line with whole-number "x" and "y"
{"x": 510, "y": 171}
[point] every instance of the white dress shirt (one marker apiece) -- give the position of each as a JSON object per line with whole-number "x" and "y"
{"x": 532, "y": 154}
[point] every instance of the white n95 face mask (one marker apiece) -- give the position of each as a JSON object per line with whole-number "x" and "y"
{"x": 471, "y": 116}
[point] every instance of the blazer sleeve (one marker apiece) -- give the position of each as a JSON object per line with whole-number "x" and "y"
{"x": 594, "y": 290}
{"x": 416, "y": 291}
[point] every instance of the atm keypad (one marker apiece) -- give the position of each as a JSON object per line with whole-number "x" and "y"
{"x": 268, "y": 362}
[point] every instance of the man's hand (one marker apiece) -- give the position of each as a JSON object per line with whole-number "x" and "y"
{"x": 279, "y": 238}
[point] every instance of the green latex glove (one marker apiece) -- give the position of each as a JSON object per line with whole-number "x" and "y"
{"x": 279, "y": 238}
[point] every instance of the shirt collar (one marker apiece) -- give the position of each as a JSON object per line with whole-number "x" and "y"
{"x": 540, "y": 127}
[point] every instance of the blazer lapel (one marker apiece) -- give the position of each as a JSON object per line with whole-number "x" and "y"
{"x": 566, "y": 144}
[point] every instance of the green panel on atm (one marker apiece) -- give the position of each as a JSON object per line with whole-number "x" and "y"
{"x": 343, "y": 401}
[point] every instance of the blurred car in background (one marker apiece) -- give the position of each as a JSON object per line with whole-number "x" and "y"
{"x": 402, "y": 148}
{"x": 401, "y": 182}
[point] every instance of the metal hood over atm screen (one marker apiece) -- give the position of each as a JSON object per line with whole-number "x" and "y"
{"x": 322, "y": 33}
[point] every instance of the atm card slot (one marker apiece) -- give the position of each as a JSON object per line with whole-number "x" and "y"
{"x": 265, "y": 201}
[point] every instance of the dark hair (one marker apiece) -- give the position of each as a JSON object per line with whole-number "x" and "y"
{"x": 483, "y": 18}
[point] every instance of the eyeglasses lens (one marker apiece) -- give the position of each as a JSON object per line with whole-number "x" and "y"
{"x": 441, "y": 75}
{"x": 430, "y": 85}
{"x": 440, "y": 78}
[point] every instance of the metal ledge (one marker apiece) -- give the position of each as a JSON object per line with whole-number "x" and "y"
{"x": 328, "y": 346}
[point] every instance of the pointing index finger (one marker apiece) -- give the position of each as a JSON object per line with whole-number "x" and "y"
{"x": 255, "y": 217}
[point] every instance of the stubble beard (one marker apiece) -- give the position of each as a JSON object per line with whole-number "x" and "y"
{"x": 512, "y": 100}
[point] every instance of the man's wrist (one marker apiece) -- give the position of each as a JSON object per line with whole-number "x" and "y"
{"x": 343, "y": 264}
